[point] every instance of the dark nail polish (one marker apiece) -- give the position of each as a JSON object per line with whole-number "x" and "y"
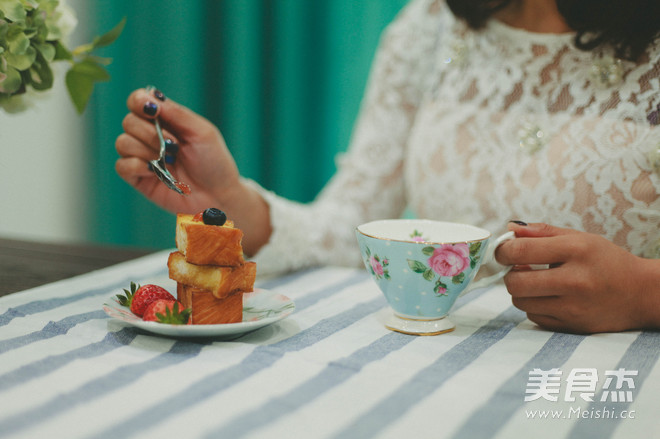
{"x": 150, "y": 109}
{"x": 150, "y": 167}
{"x": 159, "y": 95}
{"x": 520, "y": 223}
{"x": 170, "y": 159}
{"x": 171, "y": 147}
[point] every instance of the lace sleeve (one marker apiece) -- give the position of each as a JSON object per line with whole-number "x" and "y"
{"x": 368, "y": 183}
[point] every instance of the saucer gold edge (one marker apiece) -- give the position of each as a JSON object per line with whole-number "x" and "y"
{"x": 444, "y": 331}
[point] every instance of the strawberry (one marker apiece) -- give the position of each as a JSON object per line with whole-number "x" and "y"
{"x": 167, "y": 311}
{"x": 139, "y": 297}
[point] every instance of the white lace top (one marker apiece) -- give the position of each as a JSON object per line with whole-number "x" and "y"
{"x": 483, "y": 127}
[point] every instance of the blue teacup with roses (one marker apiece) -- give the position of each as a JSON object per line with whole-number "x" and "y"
{"x": 423, "y": 266}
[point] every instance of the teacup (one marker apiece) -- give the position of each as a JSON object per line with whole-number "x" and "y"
{"x": 423, "y": 266}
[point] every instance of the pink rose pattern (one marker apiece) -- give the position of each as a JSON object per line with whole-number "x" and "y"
{"x": 450, "y": 259}
{"x": 417, "y": 236}
{"x": 377, "y": 265}
{"x": 446, "y": 260}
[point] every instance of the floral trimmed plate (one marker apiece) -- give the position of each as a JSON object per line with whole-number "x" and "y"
{"x": 260, "y": 308}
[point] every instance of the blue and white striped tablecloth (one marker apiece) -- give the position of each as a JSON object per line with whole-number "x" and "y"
{"x": 330, "y": 370}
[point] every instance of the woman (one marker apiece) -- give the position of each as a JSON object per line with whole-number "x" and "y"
{"x": 477, "y": 112}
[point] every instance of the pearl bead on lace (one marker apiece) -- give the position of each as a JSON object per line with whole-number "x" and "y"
{"x": 606, "y": 72}
{"x": 458, "y": 53}
{"x": 531, "y": 137}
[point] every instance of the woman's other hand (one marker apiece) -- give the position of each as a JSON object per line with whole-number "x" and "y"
{"x": 591, "y": 285}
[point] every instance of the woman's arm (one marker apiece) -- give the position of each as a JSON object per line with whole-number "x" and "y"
{"x": 369, "y": 182}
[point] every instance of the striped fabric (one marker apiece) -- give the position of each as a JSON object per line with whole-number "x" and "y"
{"x": 330, "y": 370}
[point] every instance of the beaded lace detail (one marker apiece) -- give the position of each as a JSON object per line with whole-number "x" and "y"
{"x": 483, "y": 127}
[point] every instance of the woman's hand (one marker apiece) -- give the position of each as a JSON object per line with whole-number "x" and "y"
{"x": 592, "y": 285}
{"x": 203, "y": 162}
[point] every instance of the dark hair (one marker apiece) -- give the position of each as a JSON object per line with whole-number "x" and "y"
{"x": 627, "y": 26}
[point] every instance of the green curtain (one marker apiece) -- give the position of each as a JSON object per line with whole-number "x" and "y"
{"x": 282, "y": 80}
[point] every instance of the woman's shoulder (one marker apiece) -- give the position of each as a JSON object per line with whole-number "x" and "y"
{"x": 643, "y": 83}
{"x": 652, "y": 58}
{"x": 417, "y": 29}
{"x": 644, "y": 75}
{"x": 421, "y": 16}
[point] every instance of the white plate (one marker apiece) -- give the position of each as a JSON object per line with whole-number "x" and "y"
{"x": 260, "y": 308}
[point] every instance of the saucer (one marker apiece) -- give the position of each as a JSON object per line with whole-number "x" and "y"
{"x": 260, "y": 308}
{"x": 418, "y": 326}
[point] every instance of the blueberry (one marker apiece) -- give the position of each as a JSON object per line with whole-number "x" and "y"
{"x": 214, "y": 217}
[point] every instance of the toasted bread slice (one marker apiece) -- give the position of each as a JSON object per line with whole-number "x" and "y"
{"x": 204, "y": 244}
{"x": 207, "y": 309}
{"x": 221, "y": 281}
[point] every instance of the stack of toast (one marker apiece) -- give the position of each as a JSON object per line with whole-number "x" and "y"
{"x": 210, "y": 270}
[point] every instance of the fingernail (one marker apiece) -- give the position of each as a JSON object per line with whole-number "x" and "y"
{"x": 159, "y": 95}
{"x": 171, "y": 147}
{"x": 520, "y": 223}
{"x": 150, "y": 109}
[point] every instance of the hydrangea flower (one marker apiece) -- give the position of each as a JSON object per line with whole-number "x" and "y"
{"x": 32, "y": 37}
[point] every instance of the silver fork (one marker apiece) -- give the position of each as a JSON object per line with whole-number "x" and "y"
{"x": 159, "y": 167}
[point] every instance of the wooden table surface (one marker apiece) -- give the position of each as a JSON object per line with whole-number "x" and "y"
{"x": 26, "y": 264}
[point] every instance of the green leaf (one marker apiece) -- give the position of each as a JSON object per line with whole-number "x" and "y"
{"x": 428, "y": 251}
{"x": 33, "y": 26}
{"x": 12, "y": 81}
{"x": 22, "y": 61}
{"x": 83, "y": 50}
{"x": 40, "y": 75}
{"x": 458, "y": 279}
{"x": 416, "y": 266}
{"x": 13, "y": 10}
{"x": 47, "y": 50}
{"x": 429, "y": 275}
{"x": 99, "y": 60}
{"x": 4, "y": 28}
{"x": 91, "y": 69}
{"x": 475, "y": 247}
{"x": 17, "y": 42}
{"x": 33, "y": 34}
{"x": 80, "y": 81}
{"x": 31, "y": 4}
{"x": 62, "y": 52}
{"x": 110, "y": 36}
{"x": 80, "y": 87}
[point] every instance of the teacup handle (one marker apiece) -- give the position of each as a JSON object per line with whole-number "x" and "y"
{"x": 489, "y": 256}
